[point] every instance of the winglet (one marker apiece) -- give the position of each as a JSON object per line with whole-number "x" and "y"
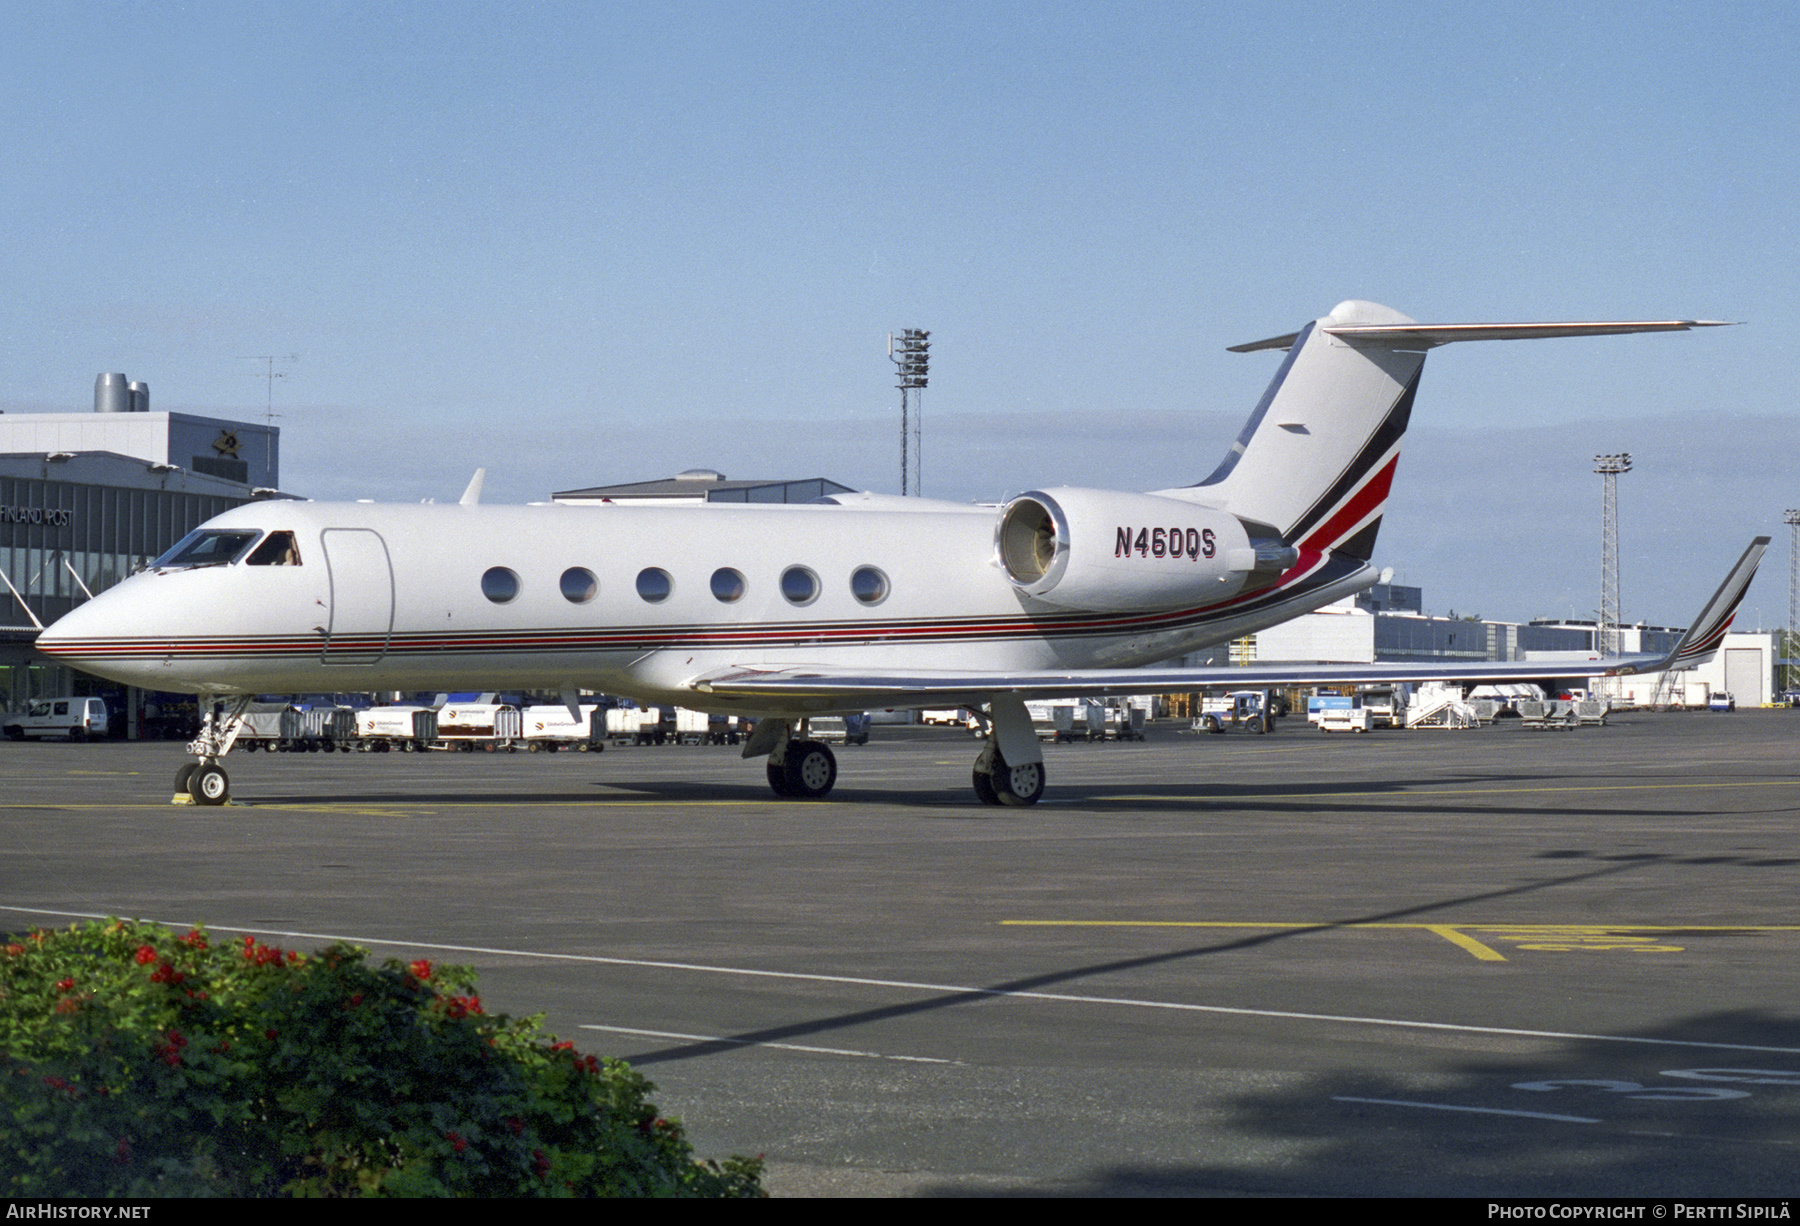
{"x": 472, "y": 495}
{"x": 1708, "y": 631}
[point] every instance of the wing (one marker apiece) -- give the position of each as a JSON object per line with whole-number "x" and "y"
{"x": 844, "y": 688}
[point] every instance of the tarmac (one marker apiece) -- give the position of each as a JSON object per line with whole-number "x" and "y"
{"x": 1490, "y": 963}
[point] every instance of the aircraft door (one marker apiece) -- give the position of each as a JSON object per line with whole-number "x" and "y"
{"x": 362, "y": 596}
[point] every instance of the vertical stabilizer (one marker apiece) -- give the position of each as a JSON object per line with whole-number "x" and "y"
{"x": 1317, "y": 457}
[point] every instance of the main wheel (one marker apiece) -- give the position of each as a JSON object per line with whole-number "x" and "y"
{"x": 1213, "y": 725}
{"x": 811, "y": 769}
{"x": 778, "y": 780}
{"x": 1018, "y": 785}
{"x": 984, "y": 788}
{"x": 182, "y": 776}
{"x": 209, "y": 785}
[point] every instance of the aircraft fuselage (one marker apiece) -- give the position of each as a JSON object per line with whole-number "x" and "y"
{"x": 620, "y": 599}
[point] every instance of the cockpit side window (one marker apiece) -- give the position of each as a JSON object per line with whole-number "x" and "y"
{"x": 207, "y": 547}
{"x": 277, "y": 549}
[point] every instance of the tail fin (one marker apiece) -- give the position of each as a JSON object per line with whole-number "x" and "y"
{"x": 1708, "y": 631}
{"x": 1317, "y": 457}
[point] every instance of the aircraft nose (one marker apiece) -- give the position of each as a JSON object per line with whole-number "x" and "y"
{"x": 96, "y": 637}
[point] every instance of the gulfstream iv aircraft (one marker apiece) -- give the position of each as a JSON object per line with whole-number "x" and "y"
{"x": 855, "y": 602}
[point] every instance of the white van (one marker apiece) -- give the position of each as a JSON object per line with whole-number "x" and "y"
{"x": 75, "y": 718}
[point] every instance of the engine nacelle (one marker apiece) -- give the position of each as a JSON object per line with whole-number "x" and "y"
{"x": 1108, "y": 552}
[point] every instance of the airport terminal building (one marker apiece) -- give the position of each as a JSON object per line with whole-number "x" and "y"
{"x": 86, "y": 498}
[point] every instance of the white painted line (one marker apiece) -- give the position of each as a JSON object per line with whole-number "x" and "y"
{"x": 951, "y": 989}
{"x": 714, "y": 1038}
{"x": 1399, "y": 1102}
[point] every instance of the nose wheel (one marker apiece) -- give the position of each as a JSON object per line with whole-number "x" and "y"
{"x": 202, "y": 783}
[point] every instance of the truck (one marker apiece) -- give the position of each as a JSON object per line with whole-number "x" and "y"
{"x": 1240, "y": 710}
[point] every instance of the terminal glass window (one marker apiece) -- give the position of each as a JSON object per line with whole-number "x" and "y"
{"x": 654, "y": 584}
{"x": 579, "y": 585}
{"x": 207, "y": 547}
{"x": 499, "y": 584}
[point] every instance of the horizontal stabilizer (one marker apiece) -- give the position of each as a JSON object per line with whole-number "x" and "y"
{"x": 1425, "y": 336}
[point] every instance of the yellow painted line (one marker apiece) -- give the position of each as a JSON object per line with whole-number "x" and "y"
{"x": 1465, "y": 942}
{"x": 1539, "y": 938}
{"x": 424, "y": 806}
{"x": 1326, "y": 925}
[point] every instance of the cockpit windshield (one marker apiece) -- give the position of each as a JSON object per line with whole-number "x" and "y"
{"x": 208, "y": 547}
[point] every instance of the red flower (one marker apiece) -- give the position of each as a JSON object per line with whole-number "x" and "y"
{"x": 461, "y": 1006}
{"x": 63, "y": 985}
{"x": 421, "y": 970}
{"x": 193, "y": 939}
{"x": 146, "y": 954}
{"x": 456, "y": 1142}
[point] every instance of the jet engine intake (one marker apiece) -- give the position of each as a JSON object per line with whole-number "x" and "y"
{"x": 1104, "y": 551}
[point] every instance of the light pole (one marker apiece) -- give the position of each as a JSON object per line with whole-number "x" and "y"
{"x": 911, "y": 356}
{"x": 1606, "y": 636}
{"x": 1787, "y": 653}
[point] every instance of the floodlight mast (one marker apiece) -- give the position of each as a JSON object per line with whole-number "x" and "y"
{"x": 1787, "y": 672}
{"x": 911, "y": 356}
{"x": 1606, "y": 637}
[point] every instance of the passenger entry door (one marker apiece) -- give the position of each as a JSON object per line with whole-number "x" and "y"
{"x": 362, "y": 596}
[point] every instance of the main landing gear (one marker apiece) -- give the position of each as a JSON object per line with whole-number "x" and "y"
{"x": 205, "y": 782}
{"x": 998, "y": 783}
{"x": 1010, "y": 770}
{"x": 807, "y": 770}
{"x": 800, "y": 770}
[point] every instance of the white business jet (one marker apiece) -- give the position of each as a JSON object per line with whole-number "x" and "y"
{"x": 855, "y": 602}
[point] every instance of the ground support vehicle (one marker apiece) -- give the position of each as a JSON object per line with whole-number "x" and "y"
{"x": 549, "y": 728}
{"x": 839, "y": 730}
{"x": 282, "y": 727}
{"x": 638, "y": 726}
{"x": 401, "y": 729}
{"x": 1348, "y": 716}
{"x": 1126, "y": 723}
{"x": 76, "y": 719}
{"x": 471, "y": 726}
{"x": 1238, "y": 711}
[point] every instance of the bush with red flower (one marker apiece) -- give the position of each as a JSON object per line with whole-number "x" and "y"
{"x": 138, "y": 1062}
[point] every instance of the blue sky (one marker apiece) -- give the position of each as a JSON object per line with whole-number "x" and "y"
{"x": 587, "y": 243}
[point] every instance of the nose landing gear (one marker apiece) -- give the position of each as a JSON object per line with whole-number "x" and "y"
{"x": 205, "y": 782}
